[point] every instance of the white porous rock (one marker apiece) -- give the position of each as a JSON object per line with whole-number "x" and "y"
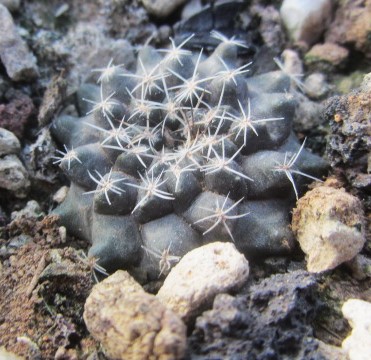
{"x": 132, "y": 324}
{"x": 13, "y": 176}
{"x": 162, "y": 8}
{"x": 358, "y": 344}
{"x": 329, "y": 225}
{"x": 306, "y": 20}
{"x": 200, "y": 275}
{"x": 9, "y": 143}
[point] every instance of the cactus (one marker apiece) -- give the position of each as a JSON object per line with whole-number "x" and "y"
{"x": 188, "y": 149}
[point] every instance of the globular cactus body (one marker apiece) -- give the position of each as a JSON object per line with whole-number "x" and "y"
{"x": 186, "y": 150}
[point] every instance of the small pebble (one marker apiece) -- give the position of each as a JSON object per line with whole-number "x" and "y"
{"x": 19, "y": 62}
{"x": 15, "y": 114}
{"x": 9, "y": 143}
{"x": 132, "y": 324}
{"x": 270, "y": 25}
{"x": 192, "y": 7}
{"x": 61, "y": 194}
{"x": 14, "y": 176}
{"x": 292, "y": 63}
{"x": 315, "y": 86}
{"x": 308, "y": 114}
{"x": 358, "y": 343}
{"x": 11, "y": 5}
{"x": 306, "y": 20}
{"x": 360, "y": 267}
{"x": 200, "y": 275}
{"x": 293, "y": 66}
{"x": 164, "y": 32}
{"x": 54, "y": 96}
{"x": 162, "y": 8}
{"x": 326, "y": 57}
{"x": 31, "y": 210}
{"x": 62, "y": 231}
{"x": 329, "y": 225}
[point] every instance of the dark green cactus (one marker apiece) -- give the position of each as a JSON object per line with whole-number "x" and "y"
{"x": 186, "y": 150}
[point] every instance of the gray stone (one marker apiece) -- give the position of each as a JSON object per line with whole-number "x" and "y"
{"x": 38, "y": 156}
{"x": 12, "y": 5}
{"x": 200, "y": 275}
{"x": 191, "y": 8}
{"x": 360, "y": 267}
{"x": 13, "y": 176}
{"x": 358, "y": 344}
{"x": 270, "y": 26}
{"x": 54, "y": 96}
{"x": 31, "y": 210}
{"x": 9, "y": 143}
{"x": 87, "y": 49}
{"x": 161, "y": 8}
{"x": 17, "y": 242}
{"x": 315, "y": 86}
{"x": 19, "y": 62}
{"x": 308, "y": 114}
{"x": 132, "y": 324}
{"x": 306, "y": 20}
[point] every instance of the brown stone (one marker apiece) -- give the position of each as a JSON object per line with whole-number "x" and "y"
{"x": 15, "y": 114}
{"x": 132, "y": 324}
{"x": 352, "y": 25}
{"x": 326, "y": 56}
{"x": 329, "y": 225}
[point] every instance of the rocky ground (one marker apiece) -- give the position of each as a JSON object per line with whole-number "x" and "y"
{"x": 214, "y": 304}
